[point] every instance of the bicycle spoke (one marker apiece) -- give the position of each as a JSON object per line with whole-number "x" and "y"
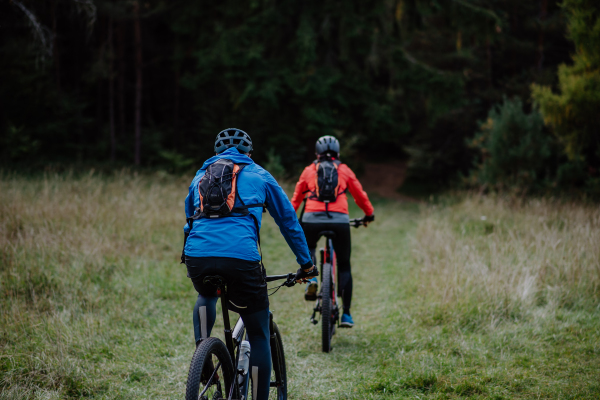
{"x": 209, "y": 383}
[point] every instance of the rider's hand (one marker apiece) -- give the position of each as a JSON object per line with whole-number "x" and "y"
{"x": 367, "y": 219}
{"x": 185, "y": 237}
{"x": 303, "y": 275}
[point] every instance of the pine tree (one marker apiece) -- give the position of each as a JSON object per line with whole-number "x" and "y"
{"x": 572, "y": 113}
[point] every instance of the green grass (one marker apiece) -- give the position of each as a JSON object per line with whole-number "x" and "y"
{"x": 93, "y": 302}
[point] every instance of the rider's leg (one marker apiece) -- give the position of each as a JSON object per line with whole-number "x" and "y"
{"x": 205, "y": 310}
{"x": 343, "y": 246}
{"x": 312, "y": 237}
{"x": 257, "y": 327}
{"x": 311, "y": 232}
{"x": 205, "y": 313}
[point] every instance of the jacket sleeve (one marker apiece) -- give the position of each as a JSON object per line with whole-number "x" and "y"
{"x": 189, "y": 206}
{"x": 356, "y": 189}
{"x": 283, "y": 213}
{"x": 301, "y": 187}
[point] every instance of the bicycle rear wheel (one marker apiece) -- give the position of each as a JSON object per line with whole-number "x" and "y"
{"x": 327, "y": 308}
{"x": 211, "y": 372}
{"x": 279, "y": 374}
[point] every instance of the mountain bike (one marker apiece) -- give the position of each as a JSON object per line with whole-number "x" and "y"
{"x": 215, "y": 371}
{"x": 327, "y": 303}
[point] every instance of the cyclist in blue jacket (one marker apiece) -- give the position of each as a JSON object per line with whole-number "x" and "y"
{"x": 229, "y": 247}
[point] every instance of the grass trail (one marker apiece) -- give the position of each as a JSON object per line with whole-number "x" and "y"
{"x": 447, "y": 304}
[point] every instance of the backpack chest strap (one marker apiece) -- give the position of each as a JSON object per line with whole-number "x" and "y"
{"x": 242, "y": 210}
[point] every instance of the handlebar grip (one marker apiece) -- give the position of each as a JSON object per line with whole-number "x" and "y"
{"x": 272, "y": 278}
{"x": 356, "y": 222}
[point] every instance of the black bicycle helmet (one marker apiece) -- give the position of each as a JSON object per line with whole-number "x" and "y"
{"x": 232, "y": 137}
{"x": 327, "y": 144}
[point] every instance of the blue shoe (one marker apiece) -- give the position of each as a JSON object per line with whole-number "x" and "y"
{"x": 311, "y": 290}
{"x": 347, "y": 321}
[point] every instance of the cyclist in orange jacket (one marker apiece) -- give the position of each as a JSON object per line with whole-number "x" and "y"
{"x": 333, "y": 216}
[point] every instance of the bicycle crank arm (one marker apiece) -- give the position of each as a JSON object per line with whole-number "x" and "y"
{"x": 314, "y": 314}
{"x": 312, "y": 318}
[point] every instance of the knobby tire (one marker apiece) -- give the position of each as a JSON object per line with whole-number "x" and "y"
{"x": 210, "y": 350}
{"x": 327, "y": 306}
{"x": 278, "y": 359}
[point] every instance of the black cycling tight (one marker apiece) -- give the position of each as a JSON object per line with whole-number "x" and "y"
{"x": 342, "y": 247}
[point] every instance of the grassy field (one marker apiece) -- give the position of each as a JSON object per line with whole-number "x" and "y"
{"x": 466, "y": 298}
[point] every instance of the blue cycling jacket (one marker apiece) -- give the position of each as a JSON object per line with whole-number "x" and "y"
{"x": 236, "y": 237}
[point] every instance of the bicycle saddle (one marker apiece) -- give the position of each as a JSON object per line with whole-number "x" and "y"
{"x": 215, "y": 280}
{"x": 328, "y": 234}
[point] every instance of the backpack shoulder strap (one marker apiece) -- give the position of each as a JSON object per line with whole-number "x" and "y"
{"x": 244, "y": 207}
{"x": 237, "y": 194}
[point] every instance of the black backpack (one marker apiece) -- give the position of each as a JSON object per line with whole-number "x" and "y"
{"x": 327, "y": 182}
{"x": 218, "y": 191}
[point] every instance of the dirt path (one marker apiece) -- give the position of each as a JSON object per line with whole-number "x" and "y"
{"x": 384, "y": 179}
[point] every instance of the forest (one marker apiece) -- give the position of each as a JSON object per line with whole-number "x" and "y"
{"x": 496, "y": 94}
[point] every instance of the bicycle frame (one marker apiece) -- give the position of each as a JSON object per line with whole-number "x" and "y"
{"x": 233, "y": 338}
{"x": 230, "y": 335}
{"x": 327, "y": 255}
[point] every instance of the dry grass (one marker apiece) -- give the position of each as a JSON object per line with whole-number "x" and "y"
{"x": 507, "y": 261}
{"x": 79, "y": 258}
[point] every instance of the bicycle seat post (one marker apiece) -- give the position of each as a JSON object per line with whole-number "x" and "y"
{"x": 226, "y": 323}
{"x": 221, "y": 286}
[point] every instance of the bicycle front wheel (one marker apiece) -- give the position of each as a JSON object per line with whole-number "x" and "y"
{"x": 279, "y": 374}
{"x": 211, "y": 372}
{"x": 327, "y": 308}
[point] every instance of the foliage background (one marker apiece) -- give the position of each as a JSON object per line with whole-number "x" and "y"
{"x": 394, "y": 79}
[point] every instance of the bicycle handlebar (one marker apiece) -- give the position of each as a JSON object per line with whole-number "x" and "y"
{"x": 288, "y": 277}
{"x": 290, "y": 281}
{"x": 356, "y": 222}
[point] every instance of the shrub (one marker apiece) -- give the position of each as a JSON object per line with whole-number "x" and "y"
{"x": 513, "y": 148}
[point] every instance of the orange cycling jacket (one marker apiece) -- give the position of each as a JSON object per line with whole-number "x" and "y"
{"x": 346, "y": 180}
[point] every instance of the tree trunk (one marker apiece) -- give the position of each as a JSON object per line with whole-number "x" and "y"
{"x": 543, "y": 15}
{"x": 176, "y": 110}
{"x": 111, "y": 92}
{"x": 55, "y": 47}
{"x": 101, "y": 87}
{"x": 137, "y": 33}
{"x": 488, "y": 53}
{"x": 121, "y": 77}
